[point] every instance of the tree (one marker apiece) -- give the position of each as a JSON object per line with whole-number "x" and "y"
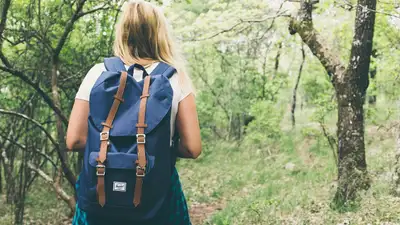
{"x": 350, "y": 85}
{"x": 42, "y": 60}
{"x": 396, "y": 173}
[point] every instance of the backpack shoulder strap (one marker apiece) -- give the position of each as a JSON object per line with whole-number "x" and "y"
{"x": 104, "y": 139}
{"x": 164, "y": 69}
{"x": 114, "y": 64}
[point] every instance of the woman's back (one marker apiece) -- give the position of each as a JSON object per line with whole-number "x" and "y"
{"x": 142, "y": 37}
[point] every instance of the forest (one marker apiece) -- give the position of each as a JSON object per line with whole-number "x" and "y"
{"x": 298, "y": 103}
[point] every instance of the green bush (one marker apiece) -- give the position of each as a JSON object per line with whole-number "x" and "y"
{"x": 264, "y": 130}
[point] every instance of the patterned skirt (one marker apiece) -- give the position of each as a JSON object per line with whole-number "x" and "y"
{"x": 173, "y": 212}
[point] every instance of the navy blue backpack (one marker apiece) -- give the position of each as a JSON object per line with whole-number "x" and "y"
{"x": 128, "y": 158}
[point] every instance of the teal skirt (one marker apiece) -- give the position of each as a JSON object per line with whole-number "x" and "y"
{"x": 173, "y": 212}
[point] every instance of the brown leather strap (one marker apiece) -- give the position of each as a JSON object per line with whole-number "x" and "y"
{"x": 138, "y": 191}
{"x": 101, "y": 171}
{"x": 104, "y": 139}
{"x": 141, "y": 140}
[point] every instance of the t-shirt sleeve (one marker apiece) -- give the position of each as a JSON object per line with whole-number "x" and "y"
{"x": 186, "y": 88}
{"x": 89, "y": 81}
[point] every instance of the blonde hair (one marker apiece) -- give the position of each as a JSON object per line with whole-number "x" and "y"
{"x": 144, "y": 33}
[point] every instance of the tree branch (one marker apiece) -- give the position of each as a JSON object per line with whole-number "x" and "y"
{"x": 331, "y": 141}
{"x": 7, "y": 112}
{"x": 37, "y": 88}
{"x": 68, "y": 28}
{"x": 304, "y": 26}
{"x": 67, "y": 171}
{"x": 56, "y": 185}
{"x": 217, "y": 99}
{"x": 4, "y": 59}
{"x": 81, "y": 14}
{"x": 110, "y": 39}
{"x": 296, "y": 86}
{"x": 348, "y": 6}
{"x": 33, "y": 149}
{"x": 6, "y": 6}
{"x": 241, "y": 21}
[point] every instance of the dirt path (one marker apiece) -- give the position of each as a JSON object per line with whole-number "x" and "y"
{"x": 304, "y": 153}
{"x": 200, "y": 212}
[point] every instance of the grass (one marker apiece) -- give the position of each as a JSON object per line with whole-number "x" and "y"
{"x": 42, "y": 207}
{"x": 293, "y": 183}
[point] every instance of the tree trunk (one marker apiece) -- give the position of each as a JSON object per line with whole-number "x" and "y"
{"x": 372, "y": 75}
{"x": 372, "y": 96}
{"x": 235, "y": 127}
{"x": 350, "y": 92}
{"x": 57, "y": 102}
{"x": 352, "y": 167}
{"x": 20, "y": 193}
{"x": 296, "y": 86}
{"x": 350, "y": 85}
{"x": 396, "y": 174}
{"x": 8, "y": 166}
{"x": 59, "y": 125}
{"x": 1, "y": 178}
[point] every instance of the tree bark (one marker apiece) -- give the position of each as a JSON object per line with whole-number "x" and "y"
{"x": 294, "y": 96}
{"x": 5, "y": 7}
{"x": 350, "y": 92}
{"x": 59, "y": 125}
{"x": 372, "y": 73}
{"x": 277, "y": 60}
{"x": 352, "y": 167}
{"x": 350, "y": 86}
{"x": 396, "y": 174}
{"x": 1, "y": 178}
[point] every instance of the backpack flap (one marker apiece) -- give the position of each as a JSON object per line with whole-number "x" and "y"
{"x": 102, "y": 96}
{"x": 114, "y": 64}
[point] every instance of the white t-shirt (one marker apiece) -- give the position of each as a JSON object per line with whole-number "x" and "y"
{"x": 95, "y": 72}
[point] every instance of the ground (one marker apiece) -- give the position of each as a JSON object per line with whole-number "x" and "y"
{"x": 291, "y": 182}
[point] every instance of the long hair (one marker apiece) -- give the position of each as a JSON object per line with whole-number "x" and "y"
{"x": 143, "y": 32}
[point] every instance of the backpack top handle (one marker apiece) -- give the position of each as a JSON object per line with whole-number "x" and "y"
{"x": 138, "y": 66}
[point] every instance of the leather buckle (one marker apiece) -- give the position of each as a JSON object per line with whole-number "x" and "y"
{"x": 140, "y": 136}
{"x": 104, "y": 136}
{"x": 142, "y": 169}
{"x": 100, "y": 167}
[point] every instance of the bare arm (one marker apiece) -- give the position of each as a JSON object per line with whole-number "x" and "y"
{"x": 78, "y": 126}
{"x": 189, "y": 129}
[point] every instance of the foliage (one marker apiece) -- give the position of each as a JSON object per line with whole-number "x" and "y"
{"x": 264, "y": 131}
{"x": 244, "y": 65}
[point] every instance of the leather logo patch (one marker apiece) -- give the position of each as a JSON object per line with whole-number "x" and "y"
{"x": 119, "y": 186}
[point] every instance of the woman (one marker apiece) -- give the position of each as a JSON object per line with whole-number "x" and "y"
{"x": 143, "y": 37}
